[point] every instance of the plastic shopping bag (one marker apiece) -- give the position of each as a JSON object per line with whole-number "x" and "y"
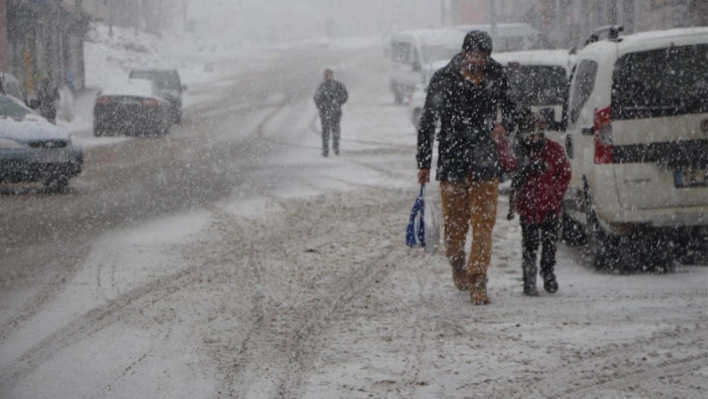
{"x": 424, "y": 226}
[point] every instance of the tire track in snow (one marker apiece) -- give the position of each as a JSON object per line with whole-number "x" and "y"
{"x": 68, "y": 267}
{"x": 622, "y": 380}
{"x": 604, "y": 369}
{"x": 90, "y": 323}
{"x": 284, "y": 337}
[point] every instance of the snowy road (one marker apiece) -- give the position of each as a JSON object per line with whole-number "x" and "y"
{"x": 229, "y": 260}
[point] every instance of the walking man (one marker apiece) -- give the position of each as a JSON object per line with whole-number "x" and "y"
{"x": 466, "y": 96}
{"x": 329, "y": 97}
{"x": 48, "y": 95}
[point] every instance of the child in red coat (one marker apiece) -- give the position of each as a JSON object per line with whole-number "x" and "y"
{"x": 538, "y": 187}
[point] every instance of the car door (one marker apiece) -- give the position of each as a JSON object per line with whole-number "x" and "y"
{"x": 580, "y": 128}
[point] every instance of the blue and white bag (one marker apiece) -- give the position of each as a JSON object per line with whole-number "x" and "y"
{"x": 424, "y": 226}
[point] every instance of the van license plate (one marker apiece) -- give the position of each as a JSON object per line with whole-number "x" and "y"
{"x": 691, "y": 178}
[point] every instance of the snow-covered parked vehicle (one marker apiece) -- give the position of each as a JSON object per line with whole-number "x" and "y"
{"x": 417, "y": 98}
{"x": 168, "y": 84}
{"x": 413, "y": 54}
{"x": 539, "y": 80}
{"x": 34, "y": 150}
{"x": 637, "y": 140}
{"x": 135, "y": 107}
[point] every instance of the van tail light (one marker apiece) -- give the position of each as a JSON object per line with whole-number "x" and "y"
{"x": 103, "y": 101}
{"x": 603, "y": 136}
{"x": 150, "y": 102}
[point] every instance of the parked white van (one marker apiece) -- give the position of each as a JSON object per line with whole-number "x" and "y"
{"x": 637, "y": 140}
{"x": 412, "y": 54}
{"x": 539, "y": 80}
{"x": 510, "y": 36}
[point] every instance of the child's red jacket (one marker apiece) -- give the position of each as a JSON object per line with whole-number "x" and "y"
{"x": 545, "y": 178}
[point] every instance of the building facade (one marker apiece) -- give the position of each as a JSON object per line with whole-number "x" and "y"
{"x": 44, "y": 40}
{"x": 4, "y": 44}
{"x": 567, "y": 23}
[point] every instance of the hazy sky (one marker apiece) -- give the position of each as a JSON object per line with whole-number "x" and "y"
{"x": 289, "y": 20}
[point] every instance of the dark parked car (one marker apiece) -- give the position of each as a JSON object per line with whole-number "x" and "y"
{"x": 133, "y": 108}
{"x": 34, "y": 150}
{"x": 168, "y": 85}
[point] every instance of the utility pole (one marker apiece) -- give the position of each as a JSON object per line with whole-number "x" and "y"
{"x": 493, "y": 17}
{"x": 443, "y": 11}
{"x": 185, "y": 4}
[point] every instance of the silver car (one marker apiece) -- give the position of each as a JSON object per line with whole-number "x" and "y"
{"x": 34, "y": 150}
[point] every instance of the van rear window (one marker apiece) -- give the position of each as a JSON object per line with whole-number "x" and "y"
{"x": 665, "y": 82}
{"x": 538, "y": 84}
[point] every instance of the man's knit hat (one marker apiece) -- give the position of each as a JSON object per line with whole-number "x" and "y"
{"x": 478, "y": 40}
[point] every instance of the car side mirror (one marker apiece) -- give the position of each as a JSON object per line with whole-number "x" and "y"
{"x": 548, "y": 116}
{"x": 33, "y": 102}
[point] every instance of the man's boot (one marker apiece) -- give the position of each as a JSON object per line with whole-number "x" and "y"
{"x": 478, "y": 289}
{"x": 530, "y": 279}
{"x": 550, "y": 284}
{"x": 459, "y": 274}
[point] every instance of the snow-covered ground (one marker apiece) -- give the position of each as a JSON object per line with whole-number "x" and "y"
{"x": 305, "y": 289}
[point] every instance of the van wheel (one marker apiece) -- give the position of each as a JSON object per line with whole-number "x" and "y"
{"x": 604, "y": 246}
{"x": 659, "y": 253}
{"x": 397, "y": 98}
{"x": 572, "y": 232}
{"x": 56, "y": 183}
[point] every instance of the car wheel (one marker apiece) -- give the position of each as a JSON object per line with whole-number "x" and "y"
{"x": 604, "y": 246}
{"x": 659, "y": 254}
{"x": 572, "y": 232}
{"x": 177, "y": 117}
{"x": 56, "y": 183}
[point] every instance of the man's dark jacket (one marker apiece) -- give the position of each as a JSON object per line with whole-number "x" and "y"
{"x": 329, "y": 97}
{"x": 467, "y": 117}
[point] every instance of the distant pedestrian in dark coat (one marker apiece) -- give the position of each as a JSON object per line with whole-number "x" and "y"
{"x": 537, "y": 193}
{"x": 47, "y": 95}
{"x": 329, "y": 97}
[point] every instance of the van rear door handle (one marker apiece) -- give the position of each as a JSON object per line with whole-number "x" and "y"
{"x": 587, "y": 131}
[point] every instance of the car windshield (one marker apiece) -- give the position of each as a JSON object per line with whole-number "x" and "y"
{"x": 439, "y": 53}
{"x": 9, "y": 108}
{"x": 163, "y": 79}
{"x": 673, "y": 79}
{"x": 538, "y": 84}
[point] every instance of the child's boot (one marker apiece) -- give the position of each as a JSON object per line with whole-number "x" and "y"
{"x": 530, "y": 279}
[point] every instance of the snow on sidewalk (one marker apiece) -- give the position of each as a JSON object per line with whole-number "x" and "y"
{"x": 306, "y": 289}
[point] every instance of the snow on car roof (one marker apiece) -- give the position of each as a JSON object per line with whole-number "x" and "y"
{"x": 650, "y": 39}
{"x": 432, "y": 37}
{"x": 440, "y": 64}
{"x": 135, "y": 88}
{"x": 153, "y": 69}
{"x": 503, "y": 30}
{"x": 666, "y": 34}
{"x": 536, "y": 57}
{"x": 32, "y": 127}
